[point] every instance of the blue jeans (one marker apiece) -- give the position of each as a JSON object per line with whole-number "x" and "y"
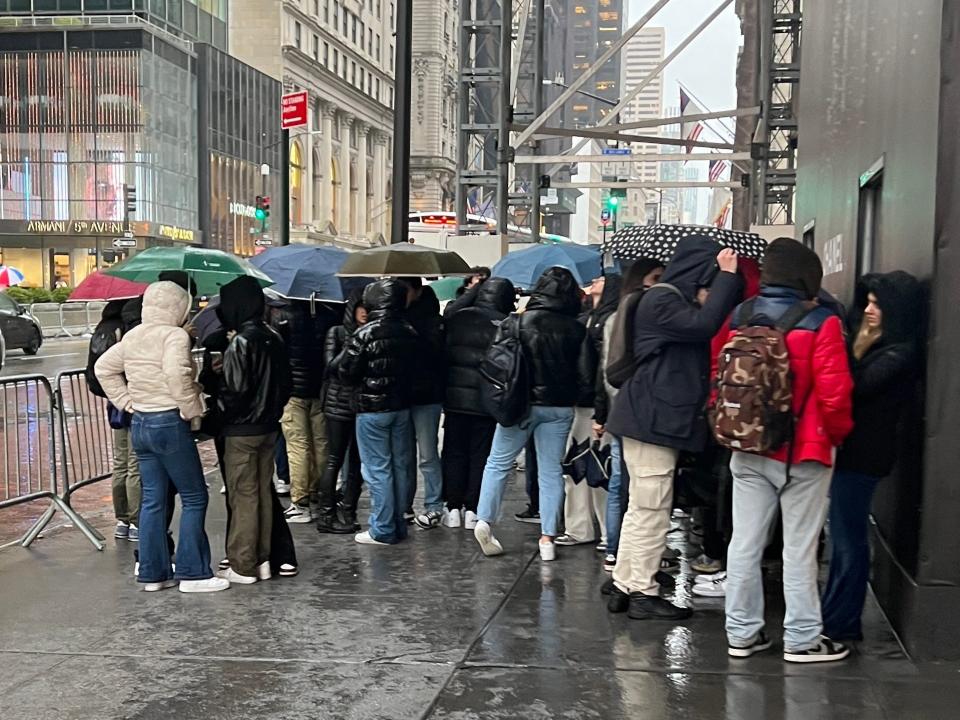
{"x": 168, "y": 457}
{"x": 426, "y": 430}
{"x": 616, "y": 496}
{"x": 851, "y": 495}
{"x": 384, "y": 442}
{"x": 760, "y": 490}
{"x": 549, "y": 427}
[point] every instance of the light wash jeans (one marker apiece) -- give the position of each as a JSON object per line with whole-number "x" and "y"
{"x": 616, "y": 496}
{"x": 384, "y": 442}
{"x": 549, "y": 427}
{"x": 760, "y": 489}
{"x": 426, "y": 429}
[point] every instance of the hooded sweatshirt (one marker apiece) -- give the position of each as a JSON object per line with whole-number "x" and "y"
{"x": 664, "y": 403}
{"x": 151, "y": 368}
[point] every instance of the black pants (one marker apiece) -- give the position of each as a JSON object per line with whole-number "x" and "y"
{"x": 342, "y": 448}
{"x": 532, "y": 476}
{"x": 466, "y": 445}
{"x": 282, "y": 550}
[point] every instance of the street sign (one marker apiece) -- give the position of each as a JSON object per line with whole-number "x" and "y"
{"x": 605, "y": 216}
{"x": 616, "y": 151}
{"x": 263, "y": 243}
{"x": 124, "y": 242}
{"x": 293, "y": 110}
{"x": 618, "y": 193}
{"x": 550, "y": 197}
{"x": 128, "y": 234}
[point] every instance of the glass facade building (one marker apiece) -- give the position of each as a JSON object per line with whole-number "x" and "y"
{"x": 86, "y": 115}
{"x": 239, "y": 120}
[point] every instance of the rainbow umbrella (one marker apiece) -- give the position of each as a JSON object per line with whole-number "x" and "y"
{"x": 10, "y": 276}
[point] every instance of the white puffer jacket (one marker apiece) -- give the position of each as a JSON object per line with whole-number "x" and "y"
{"x": 151, "y": 369}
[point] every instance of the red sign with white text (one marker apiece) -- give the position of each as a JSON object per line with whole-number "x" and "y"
{"x": 293, "y": 110}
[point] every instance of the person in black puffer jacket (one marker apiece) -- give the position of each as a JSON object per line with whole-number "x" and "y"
{"x": 468, "y": 433}
{"x": 339, "y": 410}
{"x": 255, "y": 389}
{"x": 552, "y": 339}
{"x": 303, "y": 326}
{"x": 379, "y": 360}
{"x": 585, "y": 507}
{"x": 423, "y": 313}
{"x": 885, "y": 358}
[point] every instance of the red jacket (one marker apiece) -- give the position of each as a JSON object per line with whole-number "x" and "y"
{"x": 822, "y": 384}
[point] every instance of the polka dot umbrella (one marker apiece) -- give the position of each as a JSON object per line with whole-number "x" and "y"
{"x": 659, "y": 242}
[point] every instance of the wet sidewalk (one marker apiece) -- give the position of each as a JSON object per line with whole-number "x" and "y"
{"x": 427, "y": 629}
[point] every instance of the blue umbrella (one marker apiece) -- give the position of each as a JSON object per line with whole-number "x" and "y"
{"x": 305, "y": 272}
{"x": 524, "y": 267}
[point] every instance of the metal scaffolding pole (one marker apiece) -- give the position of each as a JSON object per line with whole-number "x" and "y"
{"x": 538, "y": 60}
{"x": 504, "y": 151}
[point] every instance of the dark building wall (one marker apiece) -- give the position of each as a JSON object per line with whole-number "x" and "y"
{"x": 878, "y": 88}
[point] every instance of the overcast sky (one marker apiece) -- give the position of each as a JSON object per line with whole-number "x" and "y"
{"x": 708, "y": 66}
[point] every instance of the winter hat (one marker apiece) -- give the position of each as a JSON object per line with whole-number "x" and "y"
{"x": 787, "y": 263}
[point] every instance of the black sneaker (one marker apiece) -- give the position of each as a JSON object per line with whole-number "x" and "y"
{"x": 528, "y": 516}
{"x": 826, "y": 650}
{"x": 761, "y": 643}
{"x": 619, "y": 601}
{"x": 648, "y": 607}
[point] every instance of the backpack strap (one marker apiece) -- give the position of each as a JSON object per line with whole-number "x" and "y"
{"x": 668, "y": 286}
{"x": 745, "y": 313}
{"x": 794, "y": 316}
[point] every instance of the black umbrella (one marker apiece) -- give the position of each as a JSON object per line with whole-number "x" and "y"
{"x": 659, "y": 242}
{"x": 403, "y": 260}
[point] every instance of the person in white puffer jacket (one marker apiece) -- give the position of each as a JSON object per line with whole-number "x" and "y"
{"x": 150, "y": 373}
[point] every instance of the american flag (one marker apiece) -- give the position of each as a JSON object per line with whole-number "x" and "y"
{"x": 717, "y": 168}
{"x": 724, "y": 215}
{"x": 691, "y": 132}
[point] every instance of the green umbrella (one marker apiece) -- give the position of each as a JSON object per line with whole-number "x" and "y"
{"x": 446, "y": 288}
{"x": 209, "y": 269}
{"x": 403, "y": 260}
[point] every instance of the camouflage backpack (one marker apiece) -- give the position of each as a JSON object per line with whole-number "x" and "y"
{"x": 754, "y": 408}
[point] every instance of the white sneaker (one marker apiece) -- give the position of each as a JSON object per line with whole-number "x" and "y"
{"x": 488, "y": 543}
{"x": 223, "y": 489}
{"x": 470, "y": 520}
{"x": 707, "y": 579}
{"x": 365, "y": 538}
{"x": 263, "y": 571}
{"x": 156, "y": 586}
{"x": 288, "y": 570}
{"x": 548, "y": 551}
{"x": 214, "y": 584}
{"x": 451, "y": 519}
{"x": 298, "y": 515}
{"x": 236, "y": 578}
{"x": 714, "y": 589}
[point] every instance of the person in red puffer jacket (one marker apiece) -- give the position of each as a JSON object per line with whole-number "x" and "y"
{"x": 794, "y": 480}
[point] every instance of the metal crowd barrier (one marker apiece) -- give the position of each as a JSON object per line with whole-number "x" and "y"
{"x": 86, "y": 448}
{"x": 67, "y": 319}
{"x": 35, "y": 424}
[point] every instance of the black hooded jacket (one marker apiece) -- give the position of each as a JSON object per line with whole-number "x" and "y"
{"x": 303, "y": 326}
{"x": 469, "y": 332}
{"x": 379, "y": 358}
{"x": 338, "y": 394}
{"x": 424, "y": 315}
{"x": 117, "y": 319}
{"x": 594, "y": 320}
{"x": 553, "y": 340}
{"x": 664, "y": 403}
{"x": 256, "y": 370}
{"x": 886, "y": 378}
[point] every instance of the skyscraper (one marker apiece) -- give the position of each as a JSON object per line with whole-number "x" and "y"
{"x": 594, "y": 26}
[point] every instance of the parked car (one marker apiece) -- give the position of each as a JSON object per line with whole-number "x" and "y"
{"x": 19, "y": 328}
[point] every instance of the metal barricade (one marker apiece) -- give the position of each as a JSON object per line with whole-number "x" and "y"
{"x": 48, "y": 315}
{"x": 86, "y": 448}
{"x": 73, "y": 319}
{"x": 31, "y": 426}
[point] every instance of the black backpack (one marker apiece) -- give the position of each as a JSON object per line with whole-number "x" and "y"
{"x": 105, "y": 336}
{"x": 621, "y": 363}
{"x": 505, "y": 392}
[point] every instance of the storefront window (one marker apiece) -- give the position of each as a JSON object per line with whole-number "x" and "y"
{"x": 296, "y": 183}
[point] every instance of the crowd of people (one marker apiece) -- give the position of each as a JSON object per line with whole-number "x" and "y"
{"x": 746, "y": 383}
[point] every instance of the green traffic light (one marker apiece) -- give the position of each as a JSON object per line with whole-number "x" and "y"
{"x": 260, "y": 214}
{"x": 612, "y": 202}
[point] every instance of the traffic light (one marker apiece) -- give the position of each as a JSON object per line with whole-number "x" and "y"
{"x": 612, "y": 202}
{"x": 265, "y": 203}
{"x": 260, "y": 214}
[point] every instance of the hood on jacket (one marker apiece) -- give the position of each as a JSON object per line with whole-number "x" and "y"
{"x": 556, "y": 290}
{"x": 113, "y": 310}
{"x": 385, "y": 297}
{"x": 610, "y": 297}
{"x": 900, "y": 297}
{"x": 425, "y": 309}
{"x": 166, "y": 303}
{"x": 497, "y": 294}
{"x": 181, "y": 278}
{"x": 354, "y": 300}
{"x": 787, "y": 263}
{"x": 241, "y": 301}
{"x": 694, "y": 265}
{"x": 132, "y": 313}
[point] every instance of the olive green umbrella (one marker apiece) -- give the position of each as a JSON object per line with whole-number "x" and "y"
{"x": 403, "y": 260}
{"x": 209, "y": 269}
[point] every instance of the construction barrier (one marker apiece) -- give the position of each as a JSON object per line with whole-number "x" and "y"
{"x": 36, "y": 431}
{"x": 67, "y": 319}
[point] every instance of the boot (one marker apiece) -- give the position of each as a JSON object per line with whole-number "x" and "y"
{"x": 619, "y": 601}
{"x": 649, "y": 607}
{"x": 349, "y": 517}
{"x": 329, "y": 523}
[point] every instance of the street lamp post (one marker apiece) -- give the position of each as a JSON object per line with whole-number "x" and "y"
{"x": 401, "y": 124}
